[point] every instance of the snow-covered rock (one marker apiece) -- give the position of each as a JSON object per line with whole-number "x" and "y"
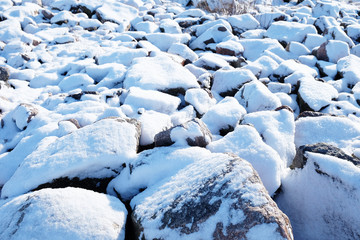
{"x": 277, "y": 129}
{"x": 78, "y": 154}
{"x": 194, "y": 201}
{"x": 308, "y": 100}
{"x": 247, "y": 143}
{"x": 215, "y": 34}
{"x": 151, "y": 100}
{"x": 310, "y": 194}
{"x": 349, "y": 70}
{"x": 243, "y": 22}
{"x": 151, "y": 124}
{"x": 289, "y": 31}
{"x": 200, "y": 99}
{"x": 255, "y": 96}
{"x": 332, "y": 51}
{"x": 224, "y": 116}
{"x": 109, "y": 12}
{"x": 155, "y": 75}
{"x": 23, "y": 115}
{"x": 341, "y": 132}
{"x": 62, "y": 213}
{"x": 191, "y": 133}
{"x": 228, "y": 82}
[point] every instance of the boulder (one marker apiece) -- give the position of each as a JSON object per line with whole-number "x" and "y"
{"x": 219, "y": 196}
{"x": 191, "y": 133}
{"x": 348, "y": 69}
{"x": 277, "y": 129}
{"x": 228, "y": 82}
{"x": 62, "y": 213}
{"x": 153, "y": 166}
{"x": 230, "y": 47}
{"x": 340, "y": 132}
{"x": 224, "y": 116}
{"x": 200, "y": 99}
{"x": 108, "y": 12}
{"x": 243, "y": 22}
{"x": 152, "y": 123}
{"x": 332, "y": 51}
{"x": 255, "y": 96}
{"x": 151, "y": 100}
{"x": 308, "y": 101}
{"x": 289, "y": 31}
{"x": 214, "y": 34}
{"x": 322, "y": 148}
{"x": 23, "y": 115}
{"x": 96, "y": 151}
{"x": 320, "y": 198}
{"x": 211, "y": 61}
{"x": 156, "y": 75}
{"x": 247, "y": 143}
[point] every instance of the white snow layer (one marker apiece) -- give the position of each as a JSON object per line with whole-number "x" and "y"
{"x": 88, "y": 152}
{"x": 68, "y": 213}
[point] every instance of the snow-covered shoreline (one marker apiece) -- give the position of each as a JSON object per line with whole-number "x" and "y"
{"x": 170, "y": 110}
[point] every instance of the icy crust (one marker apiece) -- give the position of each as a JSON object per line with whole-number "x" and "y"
{"x": 70, "y": 213}
{"x": 310, "y": 194}
{"x": 92, "y": 151}
{"x": 219, "y": 196}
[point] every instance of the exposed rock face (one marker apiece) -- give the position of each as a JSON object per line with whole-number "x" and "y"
{"x": 323, "y": 148}
{"x": 193, "y": 203}
{"x": 4, "y": 74}
{"x": 332, "y": 51}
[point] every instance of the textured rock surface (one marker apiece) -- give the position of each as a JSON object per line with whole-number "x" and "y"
{"x": 206, "y": 191}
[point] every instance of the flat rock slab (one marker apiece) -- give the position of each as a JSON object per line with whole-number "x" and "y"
{"x": 69, "y": 213}
{"x": 92, "y": 151}
{"x": 217, "y": 197}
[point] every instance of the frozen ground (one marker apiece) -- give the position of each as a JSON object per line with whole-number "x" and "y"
{"x": 142, "y": 119}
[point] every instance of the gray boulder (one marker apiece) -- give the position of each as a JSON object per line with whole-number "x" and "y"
{"x": 220, "y": 196}
{"x": 322, "y": 148}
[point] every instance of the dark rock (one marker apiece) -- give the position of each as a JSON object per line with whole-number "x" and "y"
{"x": 312, "y": 114}
{"x": 323, "y": 148}
{"x": 165, "y": 138}
{"x": 4, "y": 74}
{"x": 82, "y": 9}
{"x": 284, "y": 107}
{"x": 195, "y": 201}
{"x": 321, "y": 52}
{"x": 47, "y": 14}
{"x": 303, "y": 106}
{"x": 94, "y": 184}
